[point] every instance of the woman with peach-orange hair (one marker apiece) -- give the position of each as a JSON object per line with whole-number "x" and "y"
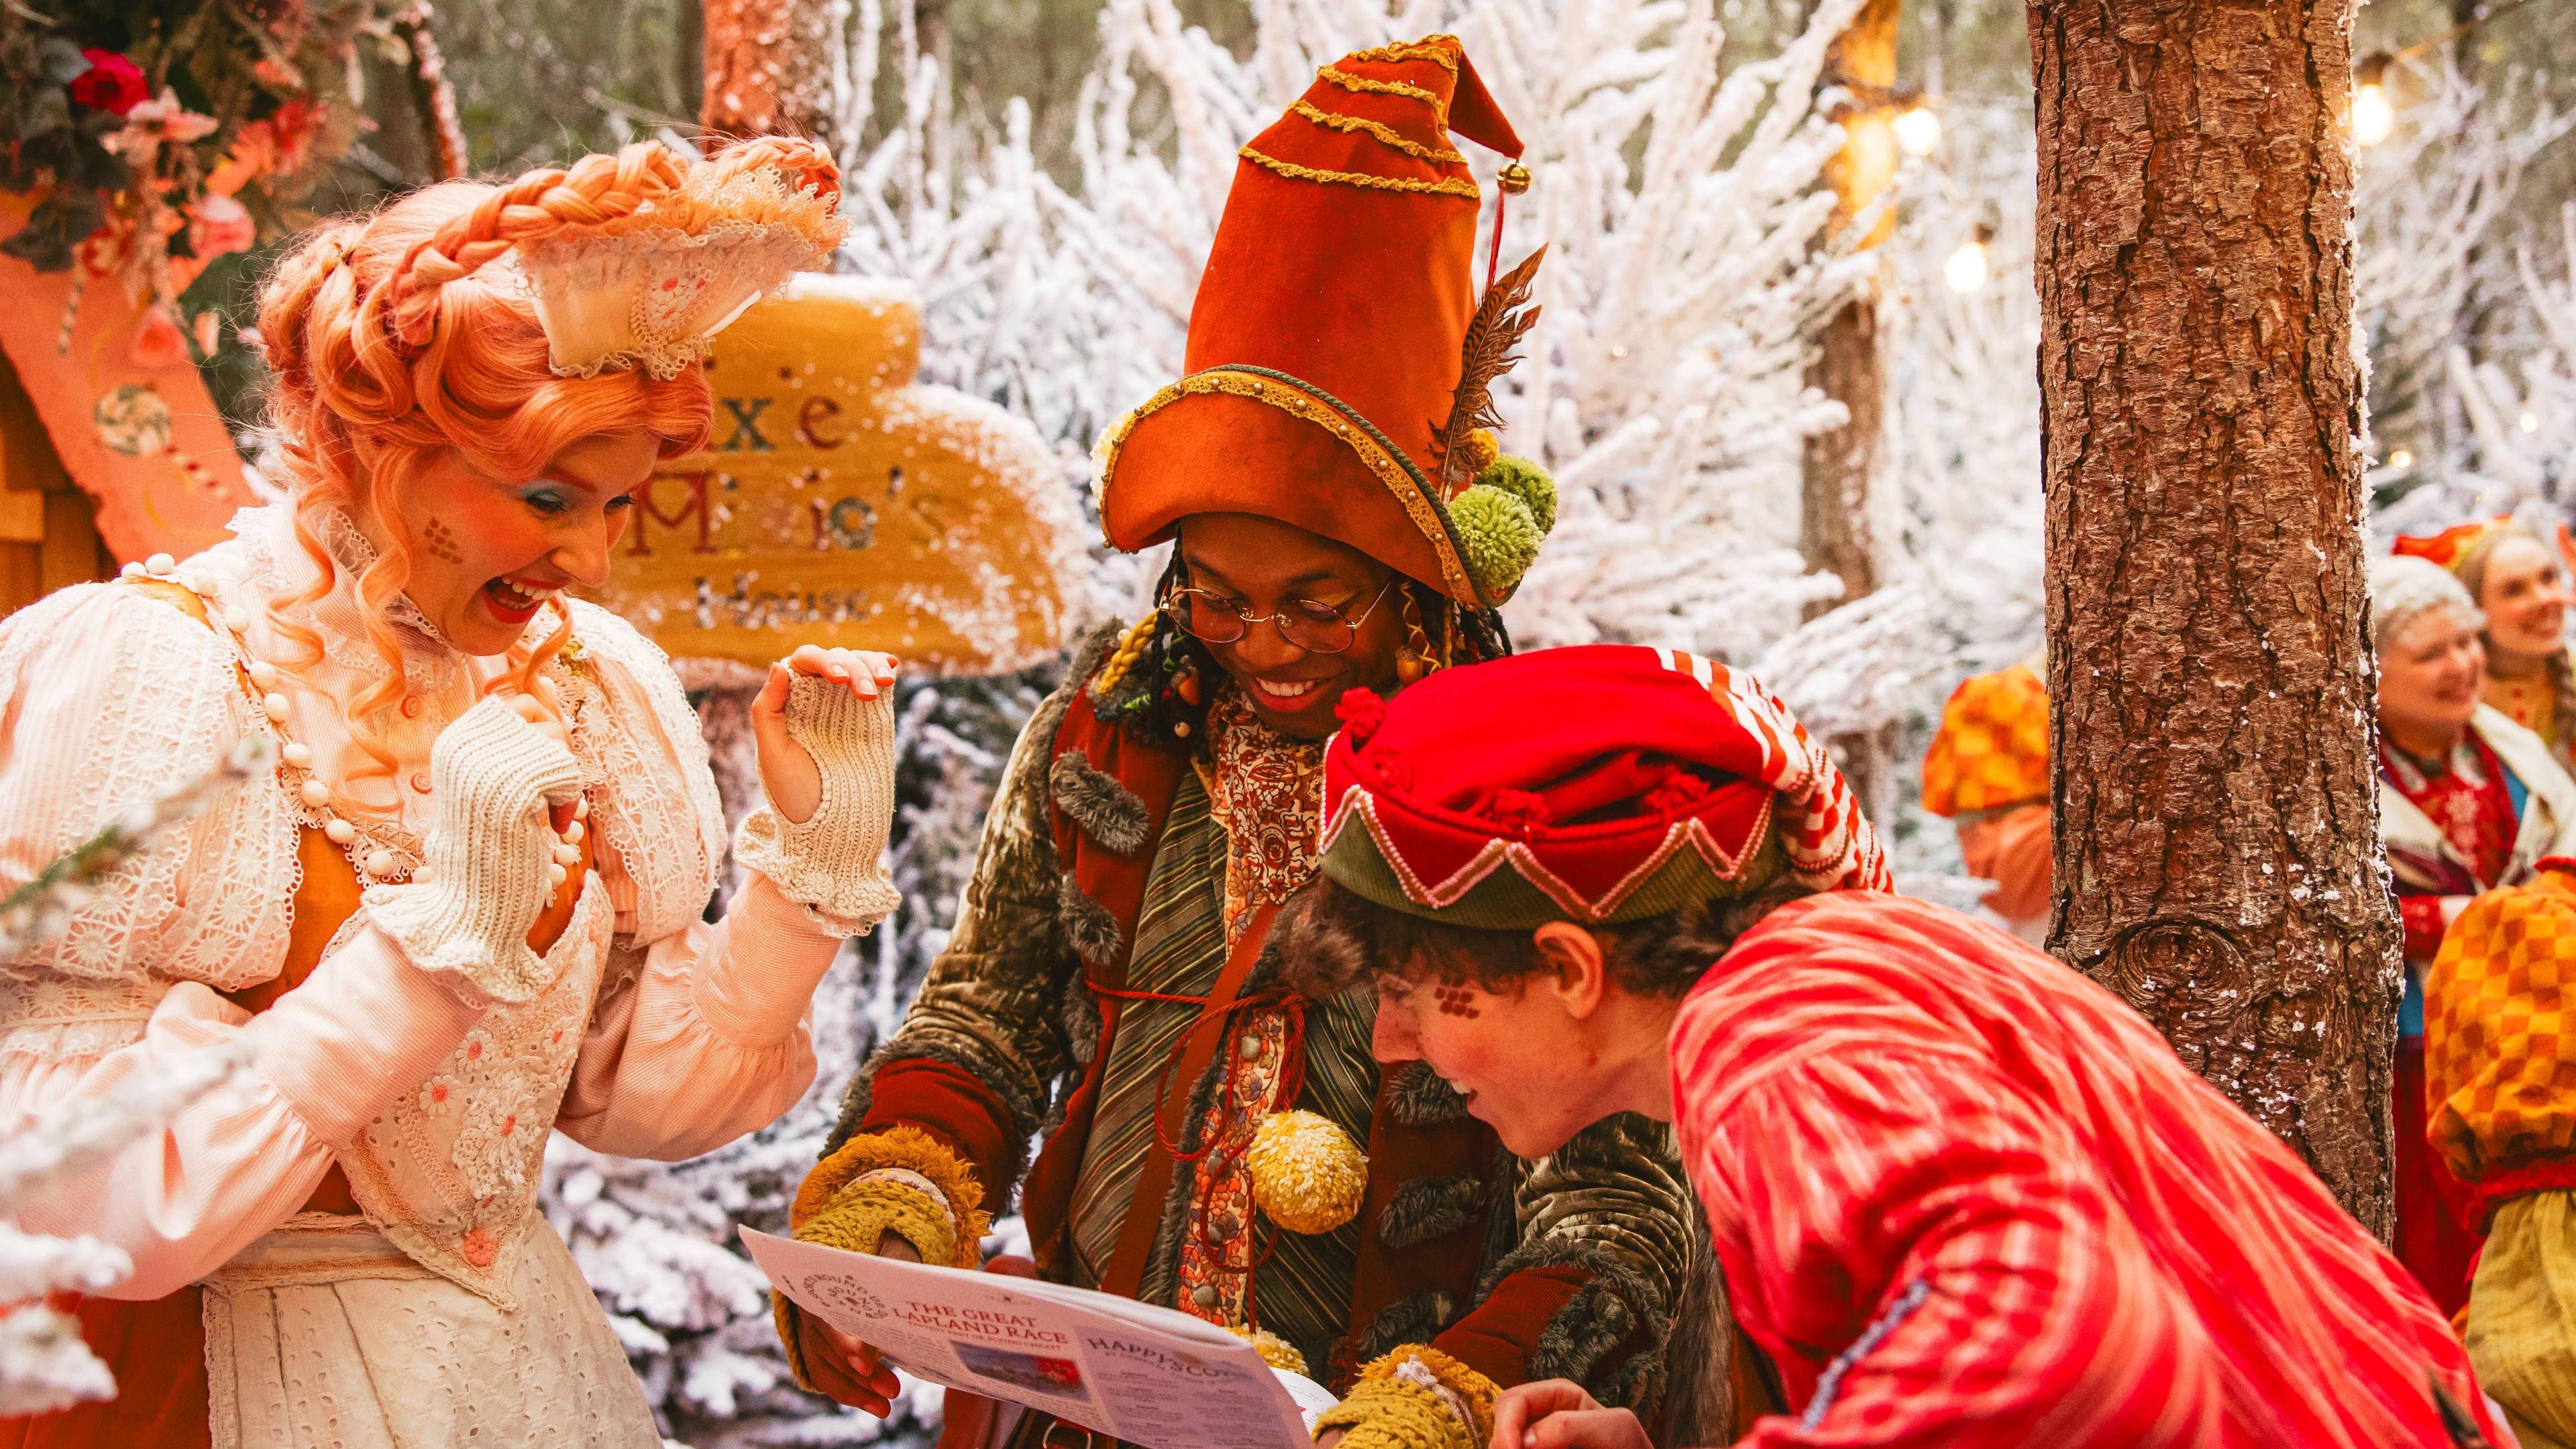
{"x": 467, "y": 909}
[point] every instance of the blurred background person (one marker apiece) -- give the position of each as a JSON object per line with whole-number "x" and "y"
{"x": 2468, "y": 801}
{"x": 2503, "y": 1108}
{"x": 1987, "y": 771}
{"x": 2518, "y": 578}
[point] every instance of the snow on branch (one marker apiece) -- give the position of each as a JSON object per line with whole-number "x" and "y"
{"x": 44, "y": 1366}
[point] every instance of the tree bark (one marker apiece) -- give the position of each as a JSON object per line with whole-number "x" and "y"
{"x": 2211, "y": 684}
{"x": 765, "y": 68}
{"x": 1835, "y": 532}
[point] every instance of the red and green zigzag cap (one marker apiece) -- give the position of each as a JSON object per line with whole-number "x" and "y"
{"x": 1595, "y": 784}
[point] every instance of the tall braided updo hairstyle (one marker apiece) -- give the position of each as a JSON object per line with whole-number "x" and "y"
{"x": 389, "y": 345}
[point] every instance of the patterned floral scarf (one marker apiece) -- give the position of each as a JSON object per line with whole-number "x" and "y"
{"x": 1266, "y": 792}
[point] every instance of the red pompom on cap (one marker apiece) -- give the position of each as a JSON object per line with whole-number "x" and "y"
{"x": 1361, "y": 712}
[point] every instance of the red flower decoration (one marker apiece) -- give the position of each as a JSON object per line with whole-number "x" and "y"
{"x": 1361, "y": 712}
{"x": 111, "y": 84}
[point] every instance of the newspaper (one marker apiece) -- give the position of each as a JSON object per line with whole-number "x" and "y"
{"x": 1147, "y": 1375}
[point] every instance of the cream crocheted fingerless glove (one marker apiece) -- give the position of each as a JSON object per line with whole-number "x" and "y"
{"x": 834, "y": 864}
{"x": 466, "y": 917}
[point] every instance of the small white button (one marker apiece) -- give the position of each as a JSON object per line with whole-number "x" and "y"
{"x": 298, "y": 755}
{"x": 380, "y": 863}
{"x": 275, "y": 705}
{"x": 555, "y": 874}
{"x": 316, "y": 794}
{"x": 130, "y": 571}
{"x": 339, "y": 832}
{"x": 576, "y": 830}
{"x": 263, "y": 674}
{"x": 236, "y": 618}
{"x": 159, "y": 563}
{"x": 581, "y": 807}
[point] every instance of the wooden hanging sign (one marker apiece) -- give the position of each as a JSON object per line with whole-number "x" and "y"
{"x": 839, "y": 502}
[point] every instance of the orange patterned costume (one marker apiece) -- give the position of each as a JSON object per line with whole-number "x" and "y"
{"x": 1988, "y": 769}
{"x": 2500, "y": 1049}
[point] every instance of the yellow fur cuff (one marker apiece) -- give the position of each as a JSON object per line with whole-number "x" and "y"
{"x": 907, "y": 1150}
{"x": 1415, "y": 1397}
{"x": 836, "y": 1210}
{"x": 1275, "y": 1351}
{"x": 862, "y": 1213}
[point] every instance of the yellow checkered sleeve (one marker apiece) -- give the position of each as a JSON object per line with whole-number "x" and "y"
{"x": 2499, "y": 1047}
{"x": 1992, "y": 748}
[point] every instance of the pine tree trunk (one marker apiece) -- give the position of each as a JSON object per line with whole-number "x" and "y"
{"x": 765, "y": 68}
{"x": 1835, "y": 533}
{"x": 2211, "y": 683}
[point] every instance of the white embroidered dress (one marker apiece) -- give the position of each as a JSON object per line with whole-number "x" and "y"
{"x": 450, "y": 1313}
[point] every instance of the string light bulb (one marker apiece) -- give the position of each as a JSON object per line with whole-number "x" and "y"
{"x": 2401, "y": 459}
{"x": 1968, "y": 269}
{"x": 2530, "y": 421}
{"x": 2372, "y": 115}
{"x": 1918, "y": 130}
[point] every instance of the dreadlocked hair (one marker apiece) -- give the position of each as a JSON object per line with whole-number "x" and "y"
{"x": 1137, "y": 686}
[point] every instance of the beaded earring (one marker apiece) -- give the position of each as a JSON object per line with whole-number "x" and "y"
{"x": 1413, "y": 659}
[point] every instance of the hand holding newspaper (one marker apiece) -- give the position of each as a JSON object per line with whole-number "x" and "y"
{"x": 1147, "y": 1375}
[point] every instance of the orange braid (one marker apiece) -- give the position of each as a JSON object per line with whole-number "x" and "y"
{"x": 596, "y": 191}
{"x": 807, "y": 164}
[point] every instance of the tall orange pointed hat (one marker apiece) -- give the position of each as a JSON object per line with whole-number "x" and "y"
{"x": 1338, "y": 356}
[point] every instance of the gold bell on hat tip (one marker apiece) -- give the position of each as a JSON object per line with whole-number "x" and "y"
{"x": 1515, "y": 179}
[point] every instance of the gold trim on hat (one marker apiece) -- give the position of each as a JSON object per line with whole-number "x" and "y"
{"x": 1298, "y": 400}
{"x": 1460, "y": 186}
{"x": 1349, "y": 82}
{"x": 1388, "y": 134}
{"x": 1427, "y": 48}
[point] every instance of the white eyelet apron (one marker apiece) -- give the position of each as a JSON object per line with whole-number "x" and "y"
{"x": 324, "y": 1335}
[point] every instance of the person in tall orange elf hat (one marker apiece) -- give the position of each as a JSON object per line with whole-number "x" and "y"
{"x": 1987, "y": 772}
{"x": 1342, "y": 519}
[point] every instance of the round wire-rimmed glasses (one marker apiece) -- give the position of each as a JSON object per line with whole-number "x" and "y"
{"x": 1317, "y": 628}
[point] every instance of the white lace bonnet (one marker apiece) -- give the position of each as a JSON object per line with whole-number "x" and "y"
{"x": 652, "y": 288}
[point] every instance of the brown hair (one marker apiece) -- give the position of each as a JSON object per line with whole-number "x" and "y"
{"x": 1331, "y": 939}
{"x": 2471, "y": 567}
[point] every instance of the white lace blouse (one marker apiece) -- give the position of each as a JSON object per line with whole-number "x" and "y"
{"x": 661, "y": 1037}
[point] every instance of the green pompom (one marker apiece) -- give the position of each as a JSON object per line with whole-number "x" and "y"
{"x": 1529, "y": 483}
{"x": 1497, "y": 538}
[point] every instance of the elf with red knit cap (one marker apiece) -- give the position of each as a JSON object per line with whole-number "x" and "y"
{"x": 1960, "y": 1194}
{"x": 1211, "y": 1141}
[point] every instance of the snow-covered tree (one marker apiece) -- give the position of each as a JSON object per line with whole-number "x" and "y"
{"x": 2449, "y": 303}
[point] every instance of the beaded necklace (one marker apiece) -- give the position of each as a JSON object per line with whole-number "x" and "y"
{"x": 380, "y": 853}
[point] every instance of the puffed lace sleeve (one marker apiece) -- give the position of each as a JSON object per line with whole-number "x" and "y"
{"x": 107, "y": 697}
{"x": 700, "y": 1035}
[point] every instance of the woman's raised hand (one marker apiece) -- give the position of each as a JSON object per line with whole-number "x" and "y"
{"x": 787, "y": 771}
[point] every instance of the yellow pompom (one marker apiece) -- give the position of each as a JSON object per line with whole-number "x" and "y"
{"x": 1482, "y": 450}
{"x": 1275, "y": 1351}
{"x": 1307, "y": 1173}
